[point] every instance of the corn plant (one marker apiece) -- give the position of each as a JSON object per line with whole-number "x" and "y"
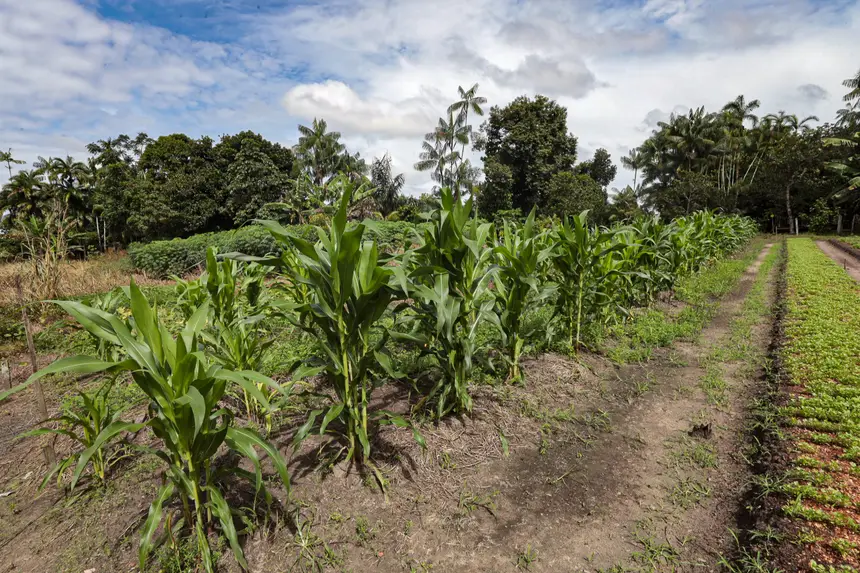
{"x": 94, "y": 420}
{"x": 584, "y": 260}
{"x": 237, "y": 300}
{"x": 184, "y": 388}
{"x": 520, "y": 284}
{"x": 448, "y": 278}
{"x": 347, "y": 292}
{"x": 114, "y": 302}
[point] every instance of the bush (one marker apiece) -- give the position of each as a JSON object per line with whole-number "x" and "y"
{"x": 181, "y": 256}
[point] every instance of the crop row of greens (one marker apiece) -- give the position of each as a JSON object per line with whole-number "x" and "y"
{"x": 459, "y": 276}
{"x": 822, "y": 361}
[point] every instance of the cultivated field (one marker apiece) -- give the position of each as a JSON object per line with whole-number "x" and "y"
{"x": 653, "y": 397}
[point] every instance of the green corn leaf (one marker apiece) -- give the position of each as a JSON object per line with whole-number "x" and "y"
{"x": 333, "y": 412}
{"x": 153, "y": 520}
{"x": 105, "y": 435}
{"x": 222, "y": 511}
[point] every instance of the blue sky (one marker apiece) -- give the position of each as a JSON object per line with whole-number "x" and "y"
{"x": 382, "y": 71}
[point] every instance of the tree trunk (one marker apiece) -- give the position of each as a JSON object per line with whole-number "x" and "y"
{"x": 788, "y": 208}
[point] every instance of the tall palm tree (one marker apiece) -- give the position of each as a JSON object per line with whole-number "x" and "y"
{"x": 388, "y": 187}
{"x": 469, "y": 100}
{"x": 633, "y": 160}
{"x": 24, "y": 196}
{"x": 742, "y": 110}
{"x": 854, "y": 85}
{"x": 319, "y": 150}
{"x": 6, "y": 157}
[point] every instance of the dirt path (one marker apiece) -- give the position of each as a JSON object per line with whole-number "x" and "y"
{"x": 848, "y": 262}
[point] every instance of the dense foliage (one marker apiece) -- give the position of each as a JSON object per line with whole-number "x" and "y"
{"x": 181, "y": 256}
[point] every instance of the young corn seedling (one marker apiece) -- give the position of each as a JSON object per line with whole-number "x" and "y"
{"x": 93, "y": 420}
{"x": 520, "y": 284}
{"x": 582, "y": 266}
{"x": 184, "y": 387}
{"x": 237, "y": 301}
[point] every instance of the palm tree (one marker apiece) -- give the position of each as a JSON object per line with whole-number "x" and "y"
{"x": 388, "y": 187}
{"x": 854, "y": 85}
{"x": 6, "y": 157}
{"x": 319, "y": 150}
{"x": 468, "y": 100}
{"x": 742, "y": 110}
{"x": 633, "y": 160}
{"x": 23, "y": 196}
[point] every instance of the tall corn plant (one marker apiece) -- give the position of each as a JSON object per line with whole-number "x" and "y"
{"x": 522, "y": 255}
{"x": 184, "y": 388}
{"x": 448, "y": 278}
{"x": 584, "y": 259}
{"x": 346, "y": 291}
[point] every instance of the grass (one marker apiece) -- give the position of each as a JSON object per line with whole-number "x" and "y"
{"x": 700, "y": 293}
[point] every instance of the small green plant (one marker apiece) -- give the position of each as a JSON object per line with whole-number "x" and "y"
{"x": 448, "y": 278}
{"x": 526, "y": 558}
{"x": 348, "y": 290}
{"x": 94, "y": 424}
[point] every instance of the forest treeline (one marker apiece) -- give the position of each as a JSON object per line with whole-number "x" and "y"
{"x": 773, "y": 168}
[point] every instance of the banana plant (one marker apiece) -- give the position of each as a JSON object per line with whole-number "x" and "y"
{"x": 448, "y": 278}
{"x": 84, "y": 425}
{"x": 346, "y": 291}
{"x": 520, "y": 284}
{"x": 184, "y": 387}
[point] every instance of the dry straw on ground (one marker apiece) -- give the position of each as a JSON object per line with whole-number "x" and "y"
{"x": 77, "y": 277}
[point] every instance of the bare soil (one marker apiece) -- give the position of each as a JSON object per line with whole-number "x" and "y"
{"x": 849, "y": 262}
{"x": 586, "y": 466}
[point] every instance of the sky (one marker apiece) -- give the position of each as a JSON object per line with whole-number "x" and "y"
{"x": 382, "y": 71}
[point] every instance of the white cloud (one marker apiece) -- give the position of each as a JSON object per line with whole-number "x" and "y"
{"x": 382, "y": 71}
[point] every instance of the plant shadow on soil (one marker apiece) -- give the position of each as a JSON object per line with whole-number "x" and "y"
{"x": 580, "y": 468}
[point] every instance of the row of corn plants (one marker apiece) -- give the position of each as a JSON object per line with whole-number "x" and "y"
{"x": 821, "y": 420}
{"x": 458, "y": 276}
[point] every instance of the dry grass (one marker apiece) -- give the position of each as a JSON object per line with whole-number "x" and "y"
{"x": 95, "y": 275}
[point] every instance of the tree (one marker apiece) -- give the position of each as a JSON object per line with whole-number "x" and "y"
{"x": 319, "y": 151}
{"x": 599, "y": 168}
{"x": 23, "y": 197}
{"x": 439, "y": 154}
{"x": 496, "y": 190}
{"x": 624, "y": 206}
{"x": 853, "y": 84}
{"x": 570, "y": 194}
{"x": 253, "y": 180}
{"x": 6, "y": 157}
{"x": 469, "y": 100}
{"x": 229, "y": 147}
{"x": 181, "y": 193}
{"x": 388, "y": 186}
{"x": 530, "y": 138}
{"x": 740, "y": 110}
{"x": 634, "y": 160}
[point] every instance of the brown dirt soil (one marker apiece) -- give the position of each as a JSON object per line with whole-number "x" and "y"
{"x": 588, "y": 465}
{"x": 849, "y": 262}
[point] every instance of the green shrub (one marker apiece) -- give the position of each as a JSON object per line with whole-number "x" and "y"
{"x": 181, "y": 256}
